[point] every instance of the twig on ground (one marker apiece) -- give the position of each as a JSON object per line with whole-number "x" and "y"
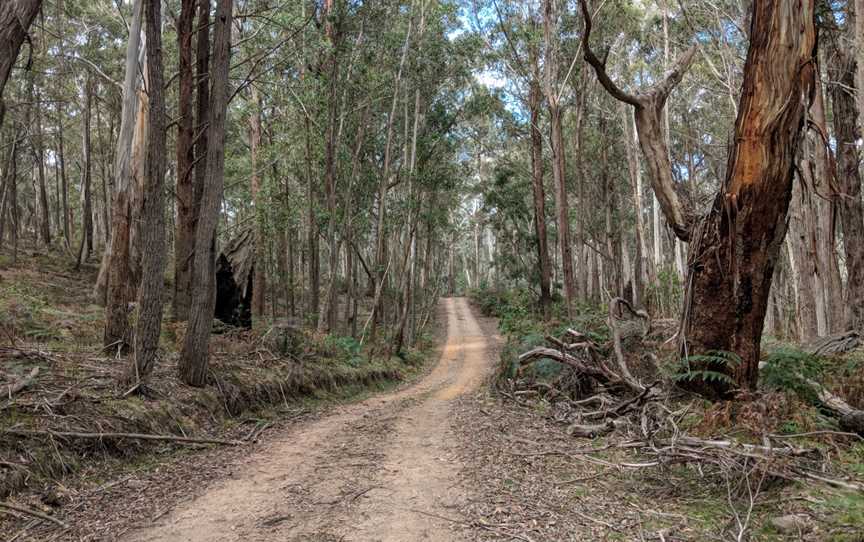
{"x": 33, "y": 513}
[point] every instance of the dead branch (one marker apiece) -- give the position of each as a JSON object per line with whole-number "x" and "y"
{"x": 34, "y": 513}
{"x": 22, "y": 383}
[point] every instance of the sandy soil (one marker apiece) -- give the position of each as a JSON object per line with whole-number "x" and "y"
{"x": 386, "y": 469}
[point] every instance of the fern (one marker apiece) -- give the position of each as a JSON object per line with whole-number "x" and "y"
{"x": 707, "y": 367}
{"x": 790, "y": 369}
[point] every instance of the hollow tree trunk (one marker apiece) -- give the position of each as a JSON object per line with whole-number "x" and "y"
{"x": 15, "y": 19}
{"x": 152, "y": 229}
{"x": 195, "y": 354}
{"x": 737, "y": 245}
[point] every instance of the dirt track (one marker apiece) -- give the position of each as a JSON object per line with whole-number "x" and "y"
{"x": 385, "y": 469}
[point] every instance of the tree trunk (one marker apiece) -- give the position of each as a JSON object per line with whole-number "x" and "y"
{"x": 87, "y": 210}
{"x": 152, "y": 229}
{"x": 327, "y": 319}
{"x": 37, "y": 147}
{"x": 116, "y": 275}
{"x": 556, "y": 140}
{"x": 859, "y": 53}
{"x": 15, "y": 19}
{"x": 641, "y": 265}
{"x": 259, "y": 278}
{"x": 186, "y": 202}
{"x": 842, "y": 74}
{"x": 737, "y": 245}
{"x": 195, "y": 354}
{"x": 827, "y": 209}
{"x": 801, "y": 242}
{"x": 64, "y": 185}
{"x": 534, "y": 99}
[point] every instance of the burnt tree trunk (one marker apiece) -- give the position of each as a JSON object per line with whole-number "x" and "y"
{"x": 152, "y": 229}
{"x": 736, "y": 246}
{"x": 195, "y": 354}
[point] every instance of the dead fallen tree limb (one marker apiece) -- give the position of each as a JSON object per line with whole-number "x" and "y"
{"x": 21, "y": 384}
{"x": 565, "y": 358}
{"x": 137, "y": 436}
{"x": 33, "y": 513}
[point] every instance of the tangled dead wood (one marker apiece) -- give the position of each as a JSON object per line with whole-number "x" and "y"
{"x": 610, "y": 401}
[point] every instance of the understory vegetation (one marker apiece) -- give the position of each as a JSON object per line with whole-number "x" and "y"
{"x": 75, "y": 418}
{"x": 776, "y": 466}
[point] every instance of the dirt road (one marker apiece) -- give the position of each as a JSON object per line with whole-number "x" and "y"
{"x": 385, "y": 469}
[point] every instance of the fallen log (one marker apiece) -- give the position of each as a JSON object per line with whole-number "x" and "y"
{"x": 836, "y": 344}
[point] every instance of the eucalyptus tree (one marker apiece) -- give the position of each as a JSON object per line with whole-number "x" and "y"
{"x": 737, "y": 243}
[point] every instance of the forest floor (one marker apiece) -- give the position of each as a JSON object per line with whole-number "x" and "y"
{"x": 443, "y": 458}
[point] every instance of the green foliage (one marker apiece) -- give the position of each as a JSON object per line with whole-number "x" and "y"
{"x": 712, "y": 367}
{"x": 789, "y": 369}
{"x": 346, "y": 348}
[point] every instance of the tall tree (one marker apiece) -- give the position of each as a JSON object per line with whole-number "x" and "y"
{"x": 842, "y": 70}
{"x": 185, "y": 147}
{"x": 736, "y": 245}
{"x": 556, "y": 140}
{"x": 152, "y": 231}
{"x": 195, "y": 354}
{"x": 116, "y": 283}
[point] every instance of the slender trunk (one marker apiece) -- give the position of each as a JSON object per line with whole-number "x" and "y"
{"x": 87, "y": 210}
{"x": 64, "y": 185}
{"x": 259, "y": 274}
{"x": 859, "y": 53}
{"x": 185, "y": 202}
{"x": 381, "y": 257}
{"x": 152, "y": 229}
{"x": 842, "y": 69}
{"x": 556, "y": 139}
{"x": 534, "y": 99}
{"x": 195, "y": 354}
{"x": 327, "y": 318}
{"x": 38, "y": 148}
{"x": 641, "y": 265}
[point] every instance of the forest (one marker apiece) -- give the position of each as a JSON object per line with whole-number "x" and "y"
{"x": 431, "y": 270}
